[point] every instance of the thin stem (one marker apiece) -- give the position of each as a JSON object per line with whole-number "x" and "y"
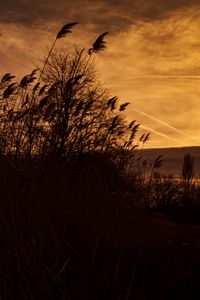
{"x": 87, "y": 63}
{"x": 47, "y": 60}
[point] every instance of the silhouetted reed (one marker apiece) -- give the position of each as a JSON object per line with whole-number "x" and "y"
{"x": 78, "y": 198}
{"x": 67, "y": 112}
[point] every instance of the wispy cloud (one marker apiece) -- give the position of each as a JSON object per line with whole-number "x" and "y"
{"x": 152, "y": 58}
{"x": 165, "y": 136}
{"x": 180, "y": 132}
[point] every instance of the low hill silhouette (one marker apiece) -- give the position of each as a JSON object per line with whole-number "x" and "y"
{"x": 173, "y": 159}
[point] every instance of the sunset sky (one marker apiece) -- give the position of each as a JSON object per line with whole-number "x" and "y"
{"x": 152, "y": 59}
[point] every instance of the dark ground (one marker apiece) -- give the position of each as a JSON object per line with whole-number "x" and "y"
{"x": 74, "y": 235}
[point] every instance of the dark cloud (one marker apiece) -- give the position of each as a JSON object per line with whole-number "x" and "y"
{"x": 29, "y": 12}
{"x": 150, "y": 9}
{"x": 115, "y": 13}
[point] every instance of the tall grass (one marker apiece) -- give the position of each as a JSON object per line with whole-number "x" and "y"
{"x": 72, "y": 187}
{"x": 67, "y": 113}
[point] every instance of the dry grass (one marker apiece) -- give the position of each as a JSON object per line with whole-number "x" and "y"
{"x": 76, "y": 218}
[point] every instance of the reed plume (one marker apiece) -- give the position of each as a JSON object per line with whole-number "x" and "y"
{"x": 123, "y": 106}
{"x": 7, "y": 77}
{"x": 65, "y": 30}
{"x": 99, "y": 44}
{"x": 62, "y": 33}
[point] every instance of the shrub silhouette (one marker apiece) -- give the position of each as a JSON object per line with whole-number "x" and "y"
{"x": 63, "y": 112}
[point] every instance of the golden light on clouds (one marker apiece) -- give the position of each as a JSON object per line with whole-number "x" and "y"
{"x": 152, "y": 58}
{"x": 158, "y": 69}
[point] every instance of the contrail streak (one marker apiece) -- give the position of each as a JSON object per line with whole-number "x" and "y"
{"x": 165, "y": 124}
{"x": 159, "y": 76}
{"x": 163, "y": 135}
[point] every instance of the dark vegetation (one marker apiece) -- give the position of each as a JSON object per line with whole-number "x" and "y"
{"x": 82, "y": 214}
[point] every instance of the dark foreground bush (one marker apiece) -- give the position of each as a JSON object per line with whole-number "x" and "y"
{"x": 53, "y": 219}
{"x": 65, "y": 233}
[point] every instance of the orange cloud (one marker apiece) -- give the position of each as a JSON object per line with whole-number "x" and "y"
{"x": 152, "y": 58}
{"x": 156, "y": 66}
